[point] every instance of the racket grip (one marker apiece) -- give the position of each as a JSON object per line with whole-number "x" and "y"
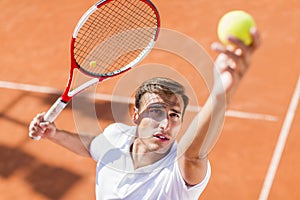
{"x": 52, "y": 114}
{"x": 55, "y": 110}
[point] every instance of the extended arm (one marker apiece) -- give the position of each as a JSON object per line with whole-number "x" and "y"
{"x": 76, "y": 143}
{"x": 231, "y": 65}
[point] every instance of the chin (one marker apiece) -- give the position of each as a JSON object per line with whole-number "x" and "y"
{"x": 165, "y": 149}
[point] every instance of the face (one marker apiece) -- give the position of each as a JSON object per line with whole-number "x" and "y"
{"x": 159, "y": 121}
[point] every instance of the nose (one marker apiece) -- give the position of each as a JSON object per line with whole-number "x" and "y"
{"x": 164, "y": 124}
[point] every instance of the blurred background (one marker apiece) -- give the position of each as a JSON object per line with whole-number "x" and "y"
{"x": 35, "y": 39}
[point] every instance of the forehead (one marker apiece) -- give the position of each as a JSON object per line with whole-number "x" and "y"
{"x": 169, "y": 101}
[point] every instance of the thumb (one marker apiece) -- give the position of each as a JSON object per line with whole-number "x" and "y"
{"x": 44, "y": 124}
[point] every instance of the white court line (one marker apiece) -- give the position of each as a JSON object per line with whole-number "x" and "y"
{"x": 120, "y": 99}
{"x": 280, "y": 144}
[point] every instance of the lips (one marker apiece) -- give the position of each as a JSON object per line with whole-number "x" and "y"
{"x": 162, "y": 137}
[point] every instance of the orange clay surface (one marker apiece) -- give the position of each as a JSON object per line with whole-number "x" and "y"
{"x": 34, "y": 49}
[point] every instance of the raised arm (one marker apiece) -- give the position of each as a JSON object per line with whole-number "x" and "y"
{"x": 76, "y": 143}
{"x": 231, "y": 65}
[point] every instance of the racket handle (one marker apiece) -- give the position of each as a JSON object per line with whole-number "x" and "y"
{"x": 55, "y": 110}
{"x": 52, "y": 114}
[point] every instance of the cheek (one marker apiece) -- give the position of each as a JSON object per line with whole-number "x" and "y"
{"x": 176, "y": 126}
{"x": 146, "y": 127}
{"x": 148, "y": 122}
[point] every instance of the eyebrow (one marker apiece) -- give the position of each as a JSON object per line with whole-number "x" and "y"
{"x": 162, "y": 105}
{"x": 156, "y": 105}
{"x": 176, "y": 111}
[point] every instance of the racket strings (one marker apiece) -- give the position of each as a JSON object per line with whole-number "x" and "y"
{"x": 115, "y": 17}
{"x": 119, "y": 32}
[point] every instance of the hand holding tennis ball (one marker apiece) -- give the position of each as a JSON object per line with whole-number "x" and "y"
{"x": 238, "y": 24}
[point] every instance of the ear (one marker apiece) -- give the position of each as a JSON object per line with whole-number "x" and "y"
{"x": 135, "y": 117}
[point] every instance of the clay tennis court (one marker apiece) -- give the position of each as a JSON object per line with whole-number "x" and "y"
{"x": 257, "y": 155}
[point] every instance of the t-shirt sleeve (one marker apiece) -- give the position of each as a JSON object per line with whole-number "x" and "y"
{"x": 98, "y": 145}
{"x": 190, "y": 192}
{"x": 109, "y": 139}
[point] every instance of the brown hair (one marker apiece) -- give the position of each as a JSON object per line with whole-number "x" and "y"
{"x": 162, "y": 87}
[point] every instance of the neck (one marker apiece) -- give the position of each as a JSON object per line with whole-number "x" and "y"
{"x": 142, "y": 156}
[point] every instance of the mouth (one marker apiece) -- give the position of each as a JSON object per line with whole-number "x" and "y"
{"x": 162, "y": 137}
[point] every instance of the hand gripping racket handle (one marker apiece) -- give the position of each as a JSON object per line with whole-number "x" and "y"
{"x": 53, "y": 113}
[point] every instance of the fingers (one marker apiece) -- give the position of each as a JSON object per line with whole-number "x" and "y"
{"x": 229, "y": 59}
{"x": 238, "y": 55}
{"x": 38, "y": 127}
{"x": 233, "y": 61}
{"x": 256, "y": 39}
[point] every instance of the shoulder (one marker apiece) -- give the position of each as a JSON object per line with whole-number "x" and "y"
{"x": 119, "y": 131}
{"x": 116, "y": 135}
{"x": 116, "y": 128}
{"x": 191, "y": 191}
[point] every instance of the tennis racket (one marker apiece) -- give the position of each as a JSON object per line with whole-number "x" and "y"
{"x": 110, "y": 38}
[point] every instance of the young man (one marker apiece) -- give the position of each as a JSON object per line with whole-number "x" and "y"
{"x": 144, "y": 161}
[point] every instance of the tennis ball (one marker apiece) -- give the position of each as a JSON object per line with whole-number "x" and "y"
{"x": 236, "y": 23}
{"x": 93, "y": 63}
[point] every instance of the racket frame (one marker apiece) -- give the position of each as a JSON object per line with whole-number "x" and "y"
{"x": 67, "y": 95}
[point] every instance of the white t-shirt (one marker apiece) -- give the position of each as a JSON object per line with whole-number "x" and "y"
{"x": 117, "y": 179}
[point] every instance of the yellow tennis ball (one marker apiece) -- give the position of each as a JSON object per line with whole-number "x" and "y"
{"x": 236, "y": 23}
{"x": 93, "y": 63}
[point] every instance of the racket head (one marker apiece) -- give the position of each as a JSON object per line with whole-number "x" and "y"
{"x": 113, "y": 36}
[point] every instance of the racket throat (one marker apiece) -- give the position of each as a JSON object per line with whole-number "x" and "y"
{"x": 65, "y": 96}
{"x": 81, "y": 88}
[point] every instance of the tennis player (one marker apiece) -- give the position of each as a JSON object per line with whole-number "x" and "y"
{"x": 144, "y": 161}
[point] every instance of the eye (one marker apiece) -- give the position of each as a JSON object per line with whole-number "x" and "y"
{"x": 157, "y": 113}
{"x": 174, "y": 115}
